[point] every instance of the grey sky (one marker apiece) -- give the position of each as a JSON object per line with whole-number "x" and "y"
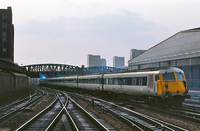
{"x": 66, "y": 31}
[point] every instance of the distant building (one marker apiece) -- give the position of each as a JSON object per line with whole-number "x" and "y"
{"x": 103, "y": 62}
{"x": 134, "y": 53}
{"x": 95, "y": 60}
{"x": 118, "y": 61}
{"x": 6, "y": 35}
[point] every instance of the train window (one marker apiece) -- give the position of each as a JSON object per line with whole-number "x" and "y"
{"x": 93, "y": 81}
{"x": 144, "y": 81}
{"x": 110, "y": 80}
{"x": 83, "y": 81}
{"x": 58, "y": 80}
{"x": 70, "y": 80}
{"x": 89, "y": 81}
{"x": 99, "y": 81}
{"x": 96, "y": 81}
{"x": 168, "y": 76}
{"x": 105, "y": 81}
{"x": 117, "y": 81}
{"x": 179, "y": 76}
{"x": 127, "y": 81}
{"x": 135, "y": 81}
{"x": 140, "y": 81}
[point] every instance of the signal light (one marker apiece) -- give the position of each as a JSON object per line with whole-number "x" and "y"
{"x": 177, "y": 92}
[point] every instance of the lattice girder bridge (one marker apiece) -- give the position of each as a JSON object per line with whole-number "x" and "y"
{"x": 56, "y": 70}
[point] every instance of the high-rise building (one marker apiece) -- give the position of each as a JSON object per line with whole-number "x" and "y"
{"x": 118, "y": 61}
{"x": 95, "y": 60}
{"x": 134, "y": 53}
{"x": 6, "y": 35}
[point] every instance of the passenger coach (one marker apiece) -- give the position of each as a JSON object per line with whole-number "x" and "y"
{"x": 167, "y": 84}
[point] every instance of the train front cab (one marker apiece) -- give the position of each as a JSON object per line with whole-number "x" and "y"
{"x": 172, "y": 86}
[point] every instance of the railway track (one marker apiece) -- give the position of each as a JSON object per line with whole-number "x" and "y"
{"x": 194, "y": 100}
{"x": 191, "y": 107}
{"x": 187, "y": 112}
{"x": 21, "y": 104}
{"x": 64, "y": 113}
{"x": 134, "y": 119}
{"x": 195, "y": 103}
{"x": 141, "y": 120}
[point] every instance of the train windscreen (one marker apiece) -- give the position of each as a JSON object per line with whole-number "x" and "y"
{"x": 168, "y": 76}
{"x": 180, "y": 76}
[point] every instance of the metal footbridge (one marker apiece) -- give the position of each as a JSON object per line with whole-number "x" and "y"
{"x": 57, "y": 70}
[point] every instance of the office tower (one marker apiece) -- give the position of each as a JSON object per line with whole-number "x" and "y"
{"x": 6, "y": 35}
{"x": 118, "y": 61}
{"x": 95, "y": 60}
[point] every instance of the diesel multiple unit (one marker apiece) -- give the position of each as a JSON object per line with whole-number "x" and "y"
{"x": 160, "y": 85}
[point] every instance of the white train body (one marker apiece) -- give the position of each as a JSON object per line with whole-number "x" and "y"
{"x": 133, "y": 83}
{"x": 90, "y": 82}
{"x": 149, "y": 83}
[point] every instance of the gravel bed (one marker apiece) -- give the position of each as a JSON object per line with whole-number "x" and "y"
{"x": 17, "y": 121}
{"x": 6, "y": 99}
{"x": 170, "y": 119}
{"x": 103, "y": 115}
{"x": 191, "y": 126}
{"x": 28, "y": 113}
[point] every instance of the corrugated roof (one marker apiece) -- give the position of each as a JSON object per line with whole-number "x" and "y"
{"x": 189, "y": 30}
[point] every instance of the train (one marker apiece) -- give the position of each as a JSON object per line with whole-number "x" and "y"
{"x": 158, "y": 85}
{"x": 12, "y": 83}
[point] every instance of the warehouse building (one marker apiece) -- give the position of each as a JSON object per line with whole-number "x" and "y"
{"x": 181, "y": 50}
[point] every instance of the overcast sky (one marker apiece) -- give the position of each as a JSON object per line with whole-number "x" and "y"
{"x": 66, "y": 31}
